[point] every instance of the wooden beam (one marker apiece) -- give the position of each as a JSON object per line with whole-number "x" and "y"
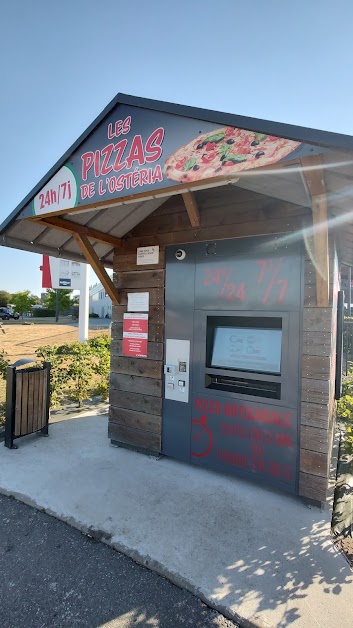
{"x": 312, "y": 168}
{"x": 192, "y": 208}
{"x": 321, "y": 249}
{"x": 313, "y": 171}
{"x": 93, "y": 259}
{"x": 72, "y": 227}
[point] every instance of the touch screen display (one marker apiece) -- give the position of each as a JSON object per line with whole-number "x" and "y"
{"x": 247, "y": 349}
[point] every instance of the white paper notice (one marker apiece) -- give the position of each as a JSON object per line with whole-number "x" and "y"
{"x": 147, "y": 255}
{"x": 138, "y": 301}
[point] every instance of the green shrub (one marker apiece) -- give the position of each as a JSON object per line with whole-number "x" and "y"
{"x": 345, "y": 411}
{"x": 101, "y": 365}
{"x": 93, "y": 315}
{"x": 345, "y": 408}
{"x": 4, "y": 363}
{"x": 58, "y": 373}
{"x": 78, "y": 369}
{"x": 100, "y": 342}
{"x": 80, "y": 372}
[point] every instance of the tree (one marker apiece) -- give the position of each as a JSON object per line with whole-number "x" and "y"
{"x": 64, "y": 300}
{"x": 23, "y": 301}
{"x": 5, "y": 298}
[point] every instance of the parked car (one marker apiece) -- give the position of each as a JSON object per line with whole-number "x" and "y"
{"x": 4, "y": 314}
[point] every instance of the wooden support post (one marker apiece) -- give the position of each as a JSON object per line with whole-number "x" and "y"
{"x": 93, "y": 259}
{"x": 73, "y": 227}
{"x": 191, "y": 208}
{"x": 321, "y": 249}
{"x": 314, "y": 177}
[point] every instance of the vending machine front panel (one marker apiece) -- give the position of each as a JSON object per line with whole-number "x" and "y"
{"x": 233, "y": 320}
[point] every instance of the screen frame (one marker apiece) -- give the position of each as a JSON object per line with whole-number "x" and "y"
{"x": 290, "y": 360}
{"x": 238, "y": 321}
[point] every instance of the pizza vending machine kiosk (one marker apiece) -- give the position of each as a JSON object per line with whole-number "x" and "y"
{"x": 232, "y": 361}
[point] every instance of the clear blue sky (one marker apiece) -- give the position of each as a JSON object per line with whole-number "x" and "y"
{"x": 62, "y": 62}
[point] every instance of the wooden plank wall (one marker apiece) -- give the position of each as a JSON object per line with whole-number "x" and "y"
{"x": 136, "y": 384}
{"x": 318, "y": 376}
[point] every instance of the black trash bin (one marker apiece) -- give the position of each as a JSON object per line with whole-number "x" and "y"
{"x": 27, "y": 401}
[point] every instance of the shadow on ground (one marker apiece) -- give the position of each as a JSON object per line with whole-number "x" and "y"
{"x": 272, "y": 580}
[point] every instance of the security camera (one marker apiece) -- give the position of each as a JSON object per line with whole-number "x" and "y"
{"x": 180, "y": 254}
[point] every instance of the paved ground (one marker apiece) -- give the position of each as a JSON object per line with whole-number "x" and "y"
{"x": 93, "y": 407}
{"x": 99, "y": 323}
{"x": 251, "y": 552}
{"x": 52, "y": 576}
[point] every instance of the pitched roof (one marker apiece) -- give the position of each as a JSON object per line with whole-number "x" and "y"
{"x": 118, "y": 220}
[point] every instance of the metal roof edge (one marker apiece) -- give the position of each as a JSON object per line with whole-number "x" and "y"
{"x": 326, "y": 139}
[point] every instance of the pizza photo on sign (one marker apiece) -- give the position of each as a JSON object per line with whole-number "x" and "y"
{"x": 225, "y": 151}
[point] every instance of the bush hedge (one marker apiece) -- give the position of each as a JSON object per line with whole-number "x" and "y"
{"x": 4, "y": 363}
{"x": 345, "y": 411}
{"x": 79, "y": 370}
{"x": 44, "y": 313}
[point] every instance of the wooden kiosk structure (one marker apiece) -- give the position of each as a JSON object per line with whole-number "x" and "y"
{"x": 233, "y": 230}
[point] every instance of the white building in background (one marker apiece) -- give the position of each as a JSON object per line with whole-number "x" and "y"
{"x": 99, "y": 302}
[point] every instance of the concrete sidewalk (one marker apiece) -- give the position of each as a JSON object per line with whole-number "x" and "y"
{"x": 262, "y": 557}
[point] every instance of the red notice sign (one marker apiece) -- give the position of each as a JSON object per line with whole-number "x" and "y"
{"x": 135, "y": 335}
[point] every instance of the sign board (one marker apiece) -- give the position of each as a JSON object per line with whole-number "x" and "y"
{"x": 138, "y": 301}
{"x": 61, "y": 273}
{"x": 135, "y": 335}
{"x": 135, "y": 150}
{"x": 147, "y": 255}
